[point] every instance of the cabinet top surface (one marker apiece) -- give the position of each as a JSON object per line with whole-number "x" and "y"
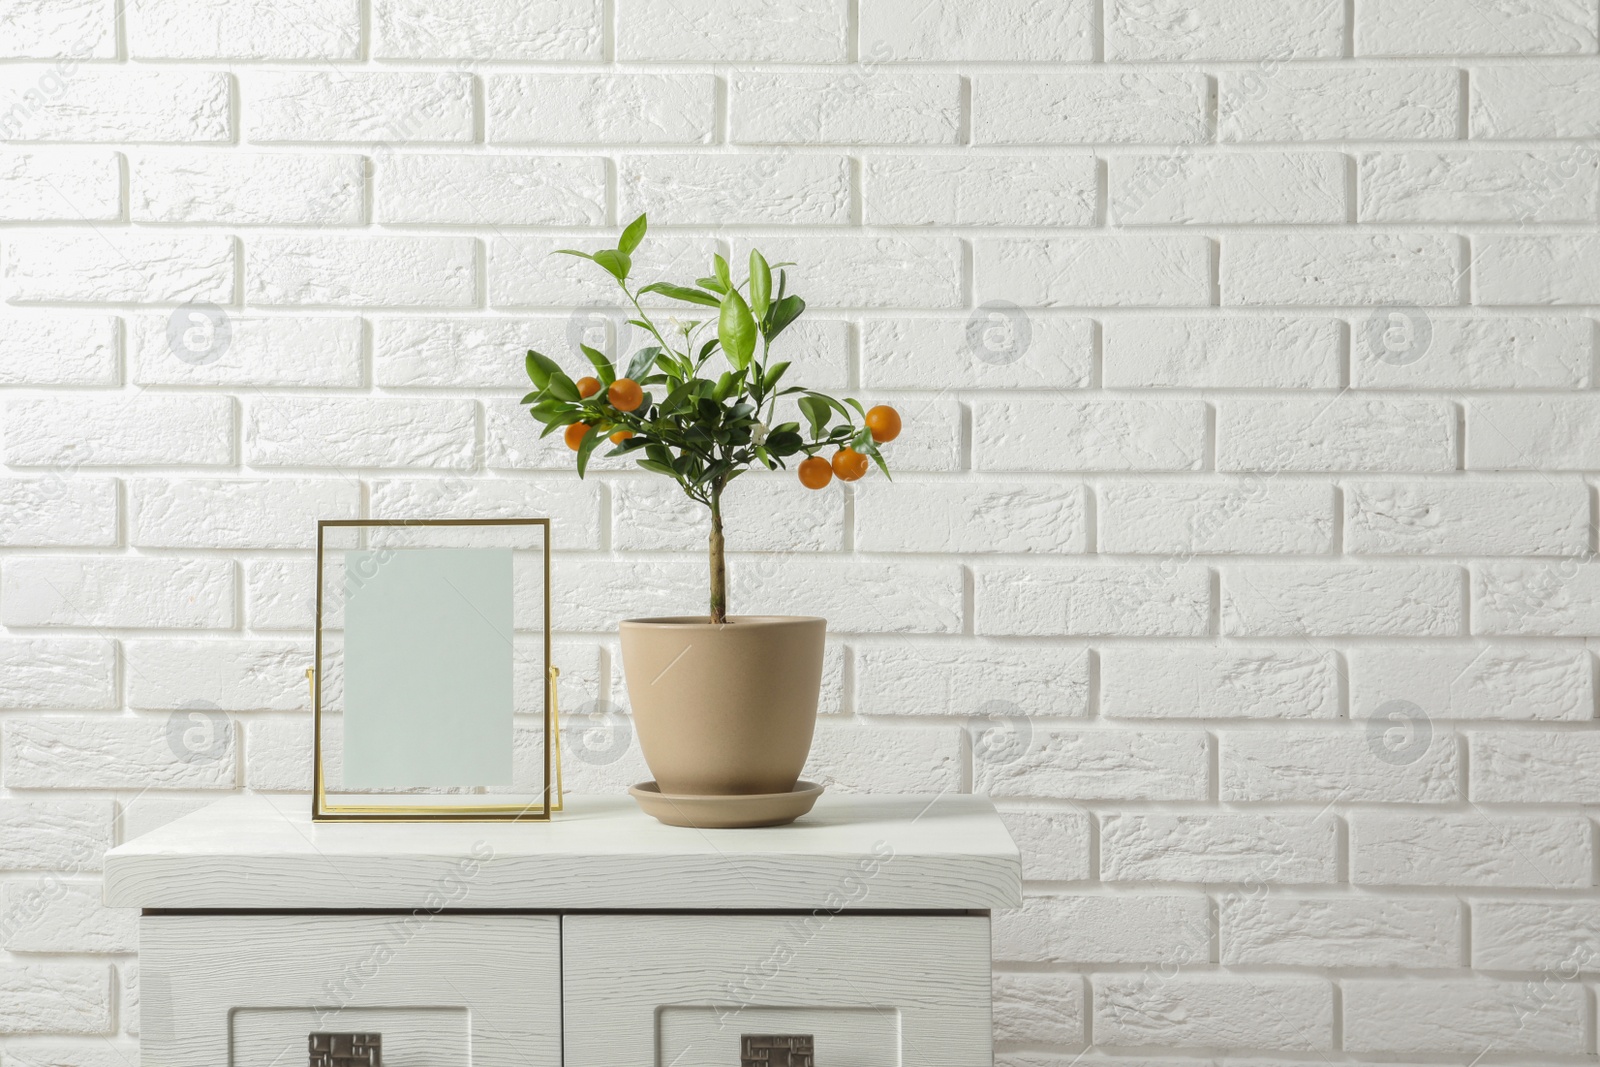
{"x": 932, "y": 852}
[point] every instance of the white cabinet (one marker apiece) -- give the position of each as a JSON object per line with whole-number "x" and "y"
{"x": 858, "y": 937}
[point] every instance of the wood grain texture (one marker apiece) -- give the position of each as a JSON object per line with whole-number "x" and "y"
{"x": 502, "y": 972}
{"x": 824, "y": 975}
{"x": 937, "y": 853}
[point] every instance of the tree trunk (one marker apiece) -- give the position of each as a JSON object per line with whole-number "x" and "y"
{"x": 719, "y": 569}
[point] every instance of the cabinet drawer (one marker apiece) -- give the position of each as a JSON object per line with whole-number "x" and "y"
{"x": 683, "y": 991}
{"x": 443, "y": 990}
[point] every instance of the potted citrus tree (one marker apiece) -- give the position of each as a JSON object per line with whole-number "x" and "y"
{"x": 724, "y": 705}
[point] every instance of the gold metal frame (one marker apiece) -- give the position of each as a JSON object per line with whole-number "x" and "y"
{"x": 322, "y": 811}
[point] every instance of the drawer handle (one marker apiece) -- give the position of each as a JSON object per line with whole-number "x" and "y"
{"x": 346, "y": 1050}
{"x": 777, "y": 1050}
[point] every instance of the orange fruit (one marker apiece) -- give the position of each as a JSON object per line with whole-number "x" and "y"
{"x": 815, "y": 473}
{"x": 625, "y": 394}
{"x": 621, "y": 436}
{"x": 574, "y": 434}
{"x": 849, "y": 464}
{"x": 587, "y": 387}
{"x": 884, "y": 422}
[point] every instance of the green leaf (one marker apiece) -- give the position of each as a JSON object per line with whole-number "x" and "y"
{"x": 540, "y": 368}
{"x": 658, "y": 467}
{"x": 586, "y": 447}
{"x": 531, "y": 397}
{"x": 561, "y": 388}
{"x": 877, "y": 457}
{"x": 617, "y": 263}
{"x": 682, "y": 292}
{"x": 724, "y": 387}
{"x": 631, "y": 236}
{"x": 571, "y": 252}
{"x": 783, "y": 313}
{"x": 816, "y": 412}
{"x": 784, "y": 442}
{"x": 853, "y": 402}
{"x": 720, "y": 266}
{"x": 642, "y": 361}
{"x": 736, "y": 329}
{"x": 716, "y": 285}
{"x": 760, "y": 285}
{"x": 774, "y": 372}
{"x": 602, "y": 364}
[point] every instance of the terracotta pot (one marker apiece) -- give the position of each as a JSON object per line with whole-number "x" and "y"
{"x": 724, "y": 710}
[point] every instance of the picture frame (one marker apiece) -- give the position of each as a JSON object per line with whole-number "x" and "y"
{"x": 342, "y": 805}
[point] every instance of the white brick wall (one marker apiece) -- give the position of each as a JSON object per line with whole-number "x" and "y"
{"x": 1241, "y": 541}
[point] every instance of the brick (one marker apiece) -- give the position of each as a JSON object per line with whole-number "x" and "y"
{"x": 1054, "y": 844}
{"x": 1186, "y": 352}
{"x": 877, "y": 107}
{"x": 459, "y": 352}
{"x": 53, "y": 915}
{"x": 133, "y": 591}
{"x": 971, "y": 680}
{"x": 1095, "y": 271}
{"x": 601, "y": 108}
{"x": 1097, "y": 765}
{"x": 870, "y": 271}
{"x": 131, "y": 429}
{"x": 1039, "y": 1008}
{"x": 124, "y": 105}
{"x": 1255, "y": 188}
{"x": 190, "y": 346}
{"x": 1262, "y": 929}
{"x": 1089, "y": 107}
{"x": 232, "y": 513}
{"x": 1331, "y": 269}
{"x": 787, "y": 31}
{"x": 248, "y": 188}
{"x": 1525, "y": 935}
{"x": 56, "y": 511}
{"x": 61, "y": 186}
{"x": 575, "y": 505}
{"x": 1526, "y": 186}
{"x": 995, "y": 347}
{"x": 60, "y": 672}
{"x": 1335, "y": 765}
{"x": 932, "y": 438}
{"x": 524, "y": 272}
{"x": 784, "y": 189}
{"x": 1526, "y": 101}
{"x": 1545, "y": 433}
{"x": 1557, "y": 598}
{"x": 1106, "y": 434}
{"x": 1536, "y": 768}
{"x": 1342, "y": 599}
{"x": 1124, "y": 600}
{"x": 1463, "y": 1016}
{"x": 1489, "y": 517}
{"x": 1008, "y": 30}
{"x": 1138, "y": 682}
{"x": 1343, "y": 432}
{"x": 1214, "y": 1010}
{"x": 278, "y": 753}
{"x": 986, "y": 190}
{"x": 197, "y": 29}
{"x": 992, "y": 517}
{"x": 1119, "y": 928}
{"x": 98, "y": 1052}
{"x": 1384, "y": 103}
{"x": 388, "y": 107}
{"x": 362, "y": 271}
{"x": 62, "y": 834}
{"x": 149, "y": 811}
{"x": 1476, "y": 849}
{"x": 52, "y": 348}
{"x": 311, "y": 431}
{"x": 1560, "y": 269}
{"x": 119, "y": 752}
{"x": 1250, "y": 515}
{"x": 1275, "y": 849}
{"x": 111, "y": 266}
{"x": 1217, "y": 29}
{"x": 55, "y": 997}
{"x": 484, "y": 29}
{"x": 227, "y": 675}
{"x": 760, "y": 513}
{"x": 47, "y": 29}
{"x": 1475, "y": 682}
{"x": 1415, "y": 349}
{"x": 854, "y": 595}
{"x": 853, "y": 758}
{"x": 490, "y": 190}
{"x": 1460, "y": 27}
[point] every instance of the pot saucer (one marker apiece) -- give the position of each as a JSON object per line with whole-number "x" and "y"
{"x": 726, "y": 812}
